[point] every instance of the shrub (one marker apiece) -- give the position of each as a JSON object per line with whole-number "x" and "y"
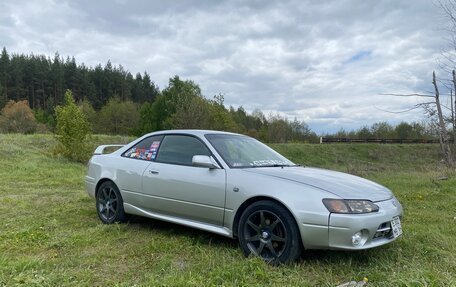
{"x": 45, "y": 119}
{"x": 89, "y": 112}
{"x": 118, "y": 117}
{"x": 17, "y": 117}
{"x": 72, "y": 130}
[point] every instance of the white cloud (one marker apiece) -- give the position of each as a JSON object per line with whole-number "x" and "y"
{"x": 325, "y": 63}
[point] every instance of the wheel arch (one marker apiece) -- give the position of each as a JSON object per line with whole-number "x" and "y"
{"x": 101, "y": 181}
{"x": 252, "y": 200}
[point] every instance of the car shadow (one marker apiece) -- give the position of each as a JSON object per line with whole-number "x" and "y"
{"x": 172, "y": 229}
{"x": 354, "y": 257}
{"x": 322, "y": 257}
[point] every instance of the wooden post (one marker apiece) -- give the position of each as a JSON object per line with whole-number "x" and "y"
{"x": 451, "y": 106}
{"x": 442, "y": 130}
{"x": 454, "y": 107}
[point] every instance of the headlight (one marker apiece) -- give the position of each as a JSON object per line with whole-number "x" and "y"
{"x": 349, "y": 205}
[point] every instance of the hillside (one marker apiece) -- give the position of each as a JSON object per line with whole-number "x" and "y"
{"x": 51, "y": 235}
{"x": 364, "y": 158}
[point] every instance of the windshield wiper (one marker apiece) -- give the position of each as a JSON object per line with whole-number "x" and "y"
{"x": 276, "y": 165}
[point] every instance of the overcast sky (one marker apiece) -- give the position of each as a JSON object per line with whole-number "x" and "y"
{"x": 324, "y": 62}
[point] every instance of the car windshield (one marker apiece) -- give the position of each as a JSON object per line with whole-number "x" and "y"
{"x": 245, "y": 152}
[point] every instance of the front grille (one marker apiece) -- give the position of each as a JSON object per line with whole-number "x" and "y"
{"x": 384, "y": 230}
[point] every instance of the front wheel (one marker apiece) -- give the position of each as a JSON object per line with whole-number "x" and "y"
{"x": 109, "y": 203}
{"x": 268, "y": 230}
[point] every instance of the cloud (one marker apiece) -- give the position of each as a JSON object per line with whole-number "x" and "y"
{"x": 325, "y": 63}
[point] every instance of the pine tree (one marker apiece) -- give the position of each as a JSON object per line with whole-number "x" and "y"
{"x": 72, "y": 130}
{"x": 2, "y": 97}
{"x": 4, "y": 77}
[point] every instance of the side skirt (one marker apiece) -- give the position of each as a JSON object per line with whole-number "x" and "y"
{"x": 131, "y": 209}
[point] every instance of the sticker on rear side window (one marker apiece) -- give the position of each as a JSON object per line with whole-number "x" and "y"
{"x": 154, "y": 146}
{"x": 153, "y": 150}
{"x": 145, "y": 152}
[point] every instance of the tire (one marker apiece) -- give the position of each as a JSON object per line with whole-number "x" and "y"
{"x": 109, "y": 203}
{"x": 268, "y": 230}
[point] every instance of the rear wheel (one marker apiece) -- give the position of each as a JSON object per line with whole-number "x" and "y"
{"x": 109, "y": 203}
{"x": 268, "y": 230}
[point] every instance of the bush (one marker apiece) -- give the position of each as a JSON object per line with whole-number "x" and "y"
{"x": 89, "y": 112}
{"x": 17, "y": 117}
{"x": 45, "y": 118}
{"x": 72, "y": 130}
{"x": 118, "y": 118}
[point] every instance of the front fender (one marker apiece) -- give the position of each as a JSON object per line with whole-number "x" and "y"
{"x": 304, "y": 202}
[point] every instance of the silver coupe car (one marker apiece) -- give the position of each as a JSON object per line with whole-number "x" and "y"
{"x": 236, "y": 186}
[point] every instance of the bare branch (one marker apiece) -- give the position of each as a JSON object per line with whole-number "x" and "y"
{"x": 396, "y": 112}
{"x": 426, "y": 103}
{"x": 409, "y": 95}
{"x": 407, "y": 110}
{"x": 446, "y": 107}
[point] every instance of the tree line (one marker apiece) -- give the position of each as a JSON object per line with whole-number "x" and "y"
{"x": 42, "y": 81}
{"x": 384, "y": 130}
{"x": 116, "y": 102}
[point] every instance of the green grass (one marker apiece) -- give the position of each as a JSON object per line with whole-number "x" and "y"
{"x": 50, "y": 234}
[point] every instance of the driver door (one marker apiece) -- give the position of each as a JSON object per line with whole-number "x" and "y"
{"x": 177, "y": 188}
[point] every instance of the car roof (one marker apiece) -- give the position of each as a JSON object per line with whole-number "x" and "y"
{"x": 191, "y": 131}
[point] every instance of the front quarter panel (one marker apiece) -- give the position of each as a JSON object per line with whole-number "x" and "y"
{"x": 304, "y": 202}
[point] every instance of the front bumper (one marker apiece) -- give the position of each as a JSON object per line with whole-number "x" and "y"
{"x": 375, "y": 227}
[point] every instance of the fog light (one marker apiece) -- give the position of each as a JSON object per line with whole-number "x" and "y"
{"x": 357, "y": 238}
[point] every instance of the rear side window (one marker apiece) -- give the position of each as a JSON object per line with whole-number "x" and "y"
{"x": 180, "y": 149}
{"x": 146, "y": 149}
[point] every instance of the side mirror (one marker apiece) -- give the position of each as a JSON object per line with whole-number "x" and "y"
{"x": 204, "y": 161}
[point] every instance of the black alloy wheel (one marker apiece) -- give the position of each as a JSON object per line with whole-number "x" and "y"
{"x": 109, "y": 203}
{"x": 268, "y": 230}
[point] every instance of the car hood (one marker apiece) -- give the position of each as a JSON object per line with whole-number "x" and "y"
{"x": 344, "y": 185}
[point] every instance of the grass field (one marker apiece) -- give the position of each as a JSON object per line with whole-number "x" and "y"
{"x": 50, "y": 234}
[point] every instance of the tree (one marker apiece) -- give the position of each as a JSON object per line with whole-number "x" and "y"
{"x": 443, "y": 135}
{"x": 17, "y": 117}
{"x": 341, "y": 133}
{"x": 277, "y": 131}
{"x": 382, "y": 130}
{"x": 72, "y": 129}
{"x": 404, "y": 131}
{"x": 149, "y": 120}
{"x": 2, "y": 97}
{"x": 57, "y": 79}
{"x": 89, "y": 112}
{"x": 219, "y": 117}
{"x": 43, "y": 81}
{"x": 194, "y": 114}
{"x": 240, "y": 117}
{"x": 45, "y": 118}
{"x": 301, "y": 132}
{"x": 149, "y": 90}
{"x": 4, "y": 75}
{"x": 433, "y": 109}
{"x": 118, "y": 117}
{"x": 173, "y": 108}
{"x": 364, "y": 133}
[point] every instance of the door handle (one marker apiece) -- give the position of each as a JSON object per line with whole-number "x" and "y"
{"x": 152, "y": 171}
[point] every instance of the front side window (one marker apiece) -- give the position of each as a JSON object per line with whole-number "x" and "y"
{"x": 245, "y": 152}
{"x": 180, "y": 149}
{"x": 146, "y": 149}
